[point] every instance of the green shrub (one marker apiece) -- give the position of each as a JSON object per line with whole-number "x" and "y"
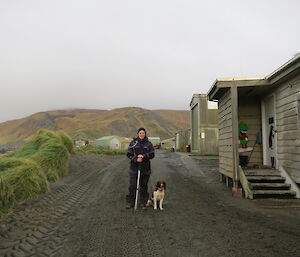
{"x": 50, "y": 150}
{"x": 67, "y": 141}
{"x": 7, "y": 197}
{"x": 26, "y": 172}
{"x": 27, "y": 179}
{"x": 20, "y": 179}
{"x": 9, "y": 163}
{"x": 53, "y": 158}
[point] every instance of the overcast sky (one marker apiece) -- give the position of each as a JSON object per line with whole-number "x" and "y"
{"x": 57, "y": 54}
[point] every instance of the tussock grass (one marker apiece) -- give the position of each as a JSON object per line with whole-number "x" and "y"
{"x": 27, "y": 179}
{"x": 51, "y": 150}
{"x": 7, "y": 197}
{"x": 9, "y": 163}
{"x": 27, "y": 172}
{"x": 92, "y": 149}
{"x": 67, "y": 141}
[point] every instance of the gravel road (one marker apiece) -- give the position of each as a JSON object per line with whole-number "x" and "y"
{"x": 84, "y": 215}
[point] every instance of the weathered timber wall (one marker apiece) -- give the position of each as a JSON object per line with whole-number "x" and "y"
{"x": 288, "y": 126}
{"x": 225, "y": 135}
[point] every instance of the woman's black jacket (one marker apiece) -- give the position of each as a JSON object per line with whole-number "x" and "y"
{"x": 144, "y": 147}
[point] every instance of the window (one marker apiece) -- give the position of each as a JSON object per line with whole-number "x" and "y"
{"x": 212, "y": 105}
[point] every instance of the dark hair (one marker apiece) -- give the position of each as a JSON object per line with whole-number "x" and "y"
{"x": 141, "y": 129}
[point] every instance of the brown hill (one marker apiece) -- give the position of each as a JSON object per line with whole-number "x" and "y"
{"x": 91, "y": 124}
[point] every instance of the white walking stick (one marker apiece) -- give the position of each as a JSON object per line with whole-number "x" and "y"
{"x": 137, "y": 188}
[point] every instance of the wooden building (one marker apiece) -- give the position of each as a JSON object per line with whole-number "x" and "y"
{"x": 80, "y": 142}
{"x": 204, "y": 132}
{"x": 270, "y": 106}
{"x": 168, "y": 144}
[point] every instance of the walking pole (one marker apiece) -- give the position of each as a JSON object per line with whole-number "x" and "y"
{"x": 137, "y": 188}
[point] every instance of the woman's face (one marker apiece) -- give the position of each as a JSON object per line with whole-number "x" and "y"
{"x": 141, "y": 134}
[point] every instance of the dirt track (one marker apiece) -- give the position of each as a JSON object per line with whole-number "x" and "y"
{"x": 85, "y": 215}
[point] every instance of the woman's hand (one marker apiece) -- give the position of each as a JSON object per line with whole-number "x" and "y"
{"x": 140, "y": 158}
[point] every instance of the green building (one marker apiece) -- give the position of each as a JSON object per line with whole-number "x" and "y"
{"x": 155, "y": 141}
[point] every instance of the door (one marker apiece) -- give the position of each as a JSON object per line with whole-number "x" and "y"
{"x": 195, "y": 128}
{"x": 269, "y": 131}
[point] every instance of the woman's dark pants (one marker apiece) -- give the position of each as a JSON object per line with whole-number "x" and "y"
{"x": 143, "y": 193}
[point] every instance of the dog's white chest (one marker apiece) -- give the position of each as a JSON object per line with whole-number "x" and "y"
{"x": 158, "y": 195}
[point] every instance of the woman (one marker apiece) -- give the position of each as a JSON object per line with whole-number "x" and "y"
{"x": 140, "y": 151}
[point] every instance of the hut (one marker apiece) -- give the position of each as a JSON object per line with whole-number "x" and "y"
{"x": 204, "y": 131}
{"x": 156, "y": 142}
{"x": 168, "y": 144}
{"x": 259, "y": 131}
{"x": 80, "y": 142}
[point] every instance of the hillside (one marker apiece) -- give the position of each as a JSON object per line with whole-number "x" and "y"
{"x": 91, "y": 124}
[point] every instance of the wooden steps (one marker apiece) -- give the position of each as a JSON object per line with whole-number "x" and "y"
{"x": 265, "y": 179}
{"x": 268, "y": 183}
{"x": 275, "y": 193}
{"x": 269, "y": 186}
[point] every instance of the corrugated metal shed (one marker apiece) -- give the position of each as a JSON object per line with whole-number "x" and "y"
{"x": 204, "y": 132}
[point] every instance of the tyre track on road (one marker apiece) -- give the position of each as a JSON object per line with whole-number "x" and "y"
{"x": 111, "y": 230}
{"x": 54, "y": 213}
{"x": 85, "y": 216}
{"x": 209, "y": 222}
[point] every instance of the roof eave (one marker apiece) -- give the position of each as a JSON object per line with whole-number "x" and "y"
{"x": 285, "y": 69}
{"x": 220, "y": 84}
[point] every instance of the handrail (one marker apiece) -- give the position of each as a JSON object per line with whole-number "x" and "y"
{"x": 245, "y": 184}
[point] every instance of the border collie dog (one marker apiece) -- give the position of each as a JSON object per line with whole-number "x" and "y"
{"x": 158, "y": 195}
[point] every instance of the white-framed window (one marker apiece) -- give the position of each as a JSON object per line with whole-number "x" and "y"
{"x": 211, "y": 105}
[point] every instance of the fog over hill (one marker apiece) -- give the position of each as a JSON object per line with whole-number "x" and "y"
{"x": 92, "y": 124}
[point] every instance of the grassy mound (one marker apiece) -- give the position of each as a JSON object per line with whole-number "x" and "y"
{"x": 50, "y": 150}
{"x": 92, "y": 149}
{"x": 26, "y": 172}
{"x": 24, "y": 176}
